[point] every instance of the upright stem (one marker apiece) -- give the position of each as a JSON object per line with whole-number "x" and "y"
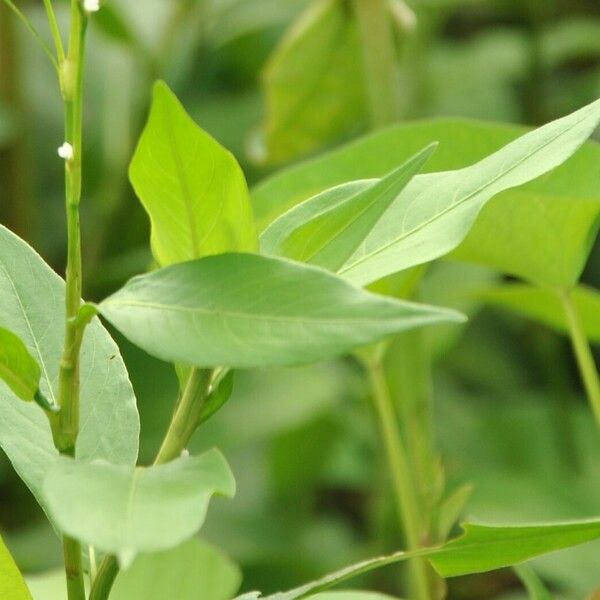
{"x": 583, "y": 353}
{"x": 379, "y": 59}
{"x": 186, "y": 416}
{"x": 181, "y": 428}
{"x": 66, "y": 425}
{"x": 407, "y": 498}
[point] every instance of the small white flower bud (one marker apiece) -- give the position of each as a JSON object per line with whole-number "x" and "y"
{"x": 91, "y": 6}
{"x": 185, "y": 453}
{"x": 66, "y": 151}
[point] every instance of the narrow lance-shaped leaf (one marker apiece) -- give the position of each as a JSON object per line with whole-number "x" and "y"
{"x": 329, "y": 228}
{"x": 435, "y": 212}
{"x": 32, "y": 306}
{"x": 12, "y": 585}
{"x": 192, "y": 188}
{"x": 128, "y": 511}
{"x": 19, "y": 370}
{"x": 246, "y": 310}
{"x": 481, "y": 548}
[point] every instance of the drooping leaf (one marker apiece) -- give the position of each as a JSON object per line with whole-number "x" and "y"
{"x": 314, "y": 88}
{"x": 12, "y": 584}
{"x": 32, "y": 306}
{"x": 329, "y": 228}
{"x": 246, "y": 310}
{"x": 480, "y": 549}
{"x": 127, "y": 511}
{"x": 544, "y": 305}
{"x": 196, "y": 569}
{"x": 558, "y": 212}
{"x": 192, "y": 188}
{"x": 533, "y": 584}
{"x": 435, "y": 212}
{"x": 18, "y": 369}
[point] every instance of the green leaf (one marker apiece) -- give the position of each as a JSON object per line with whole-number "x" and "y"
{"x": 314, "y": 90}
{"x": 32, "y": 306}
{"x": 533, "y": 584}
{"x": 126, "y": 511}
{"x": 218, "y": 397}
{"x": 327, "y": 229}
{"x": 196, "y": 569}
{"x": 480, "y": 549}
{"x": 192, "y": 188}
{"x": 558, "y": 212}
{"x": 435, "y": 212}
{"x": 351, "y": 595}
{"x": 254, "y": 311}
{"x": 18, "y": 369}
{"x": 12, "y": 584}
{"x": 544, "y": 305}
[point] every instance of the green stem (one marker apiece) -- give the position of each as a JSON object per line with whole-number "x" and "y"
{"x": 181, "y": 428}
{"x": 380, "y": 60}
{"x": 405, "y": 492}
{"x": 58, "y": 44}
{"x": 583, "y": 353}
{"x": 66, "y": 424}
{"x": 186, "y": 416}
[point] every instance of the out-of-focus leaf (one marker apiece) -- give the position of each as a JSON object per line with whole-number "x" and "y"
{"x": 544, "y": 305}
{"x": 278, "y": 313}
{"x": 327, "y": 229}
{"x": 533, "y": 584}
{"x": 558, "y": 212}
{"x": 12, "y": 585}
{"x": 32, "y": 306}
{"x": 195, "y": 569}
{"x": 313, "y": 84}
{"x": 192, "y": 188}
{"x": 112, "y": 24}
{"x": 127, "y": 511}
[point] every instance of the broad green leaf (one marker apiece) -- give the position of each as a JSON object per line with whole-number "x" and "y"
{"x": 480, "y": 549}
{"x": 32, "y": 306}
{"x": 533, "y": 584}
{"x": 544, "y": 305}
{"x": 329, "y": 228}
{"x": 351, "y": 595}
{"x": 246, "y": 310}
{"x": 313, "y": 84}
{"x": 51, "y": 585}
{"x": 435, "y": 212}
{"x": 12, "y": 585}
{"x": 196, "y": 569}
{"x": 18, "y": 369}
{"x": 127, "y": 511}
{"x": 558, "y": 212}
{"x": 192, "y": 188}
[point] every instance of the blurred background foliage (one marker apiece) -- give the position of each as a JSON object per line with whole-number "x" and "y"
{"x": 312, "y": 488}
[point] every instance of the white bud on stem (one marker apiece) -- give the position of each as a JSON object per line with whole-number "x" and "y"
{"x": 66, "y": 151}
{"x": 91, "y": 6}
